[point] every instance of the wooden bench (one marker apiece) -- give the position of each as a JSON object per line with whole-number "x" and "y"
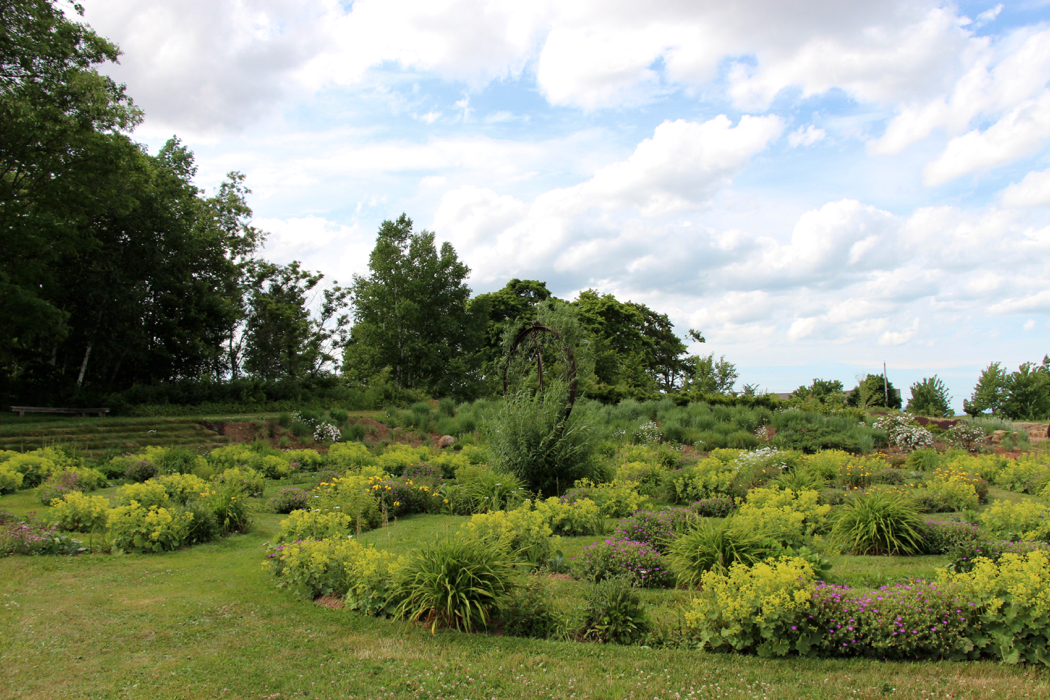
{"x": 22, "y": 410}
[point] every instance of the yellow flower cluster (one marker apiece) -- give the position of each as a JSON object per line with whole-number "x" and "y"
{"x": 746, "y": 596}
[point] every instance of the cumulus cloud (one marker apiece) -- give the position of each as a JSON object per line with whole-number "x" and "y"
{"x": 1032, "y": 191}
{"x": 221, "y": 64}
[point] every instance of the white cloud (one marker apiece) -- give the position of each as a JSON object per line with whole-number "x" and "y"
{"x": 1032, "y": 191}
{"x": 806, "y": 137}
{"x": 1017, "y": 134}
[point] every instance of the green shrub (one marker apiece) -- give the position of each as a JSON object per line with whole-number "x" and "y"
{"x": 523, "y": 533}
{"x": 248, "y": 481}
{"x": 530, "y": 612}
{"x": 763, "y": 608}
{"x": 314, "y": 525}
{"x": 133, "y": 528}
{"x": 879, "y": 522}
{"x": 487, "y": 489}
{"x": 183, "y": 487}
{"x": 176, "y": 460}
{"x": 1026, "y": 520}
{"x": 337, "y": 566}
{"x": 230, "y": 506}
{"x": 76, "y": 479}
{"x": 648, "y": 476}
{"x": 77, "y": 512}
{"x": 616, "y": 499}
{"x": 530, "y": 439}
{"x": 783, "y": 515}
{"x": 10, "y": 479}
{"x": 716, "y": 546}
{"x": 349, "y": 455}
{"x": 1012, "y": 597}
{"x": 582, "y": 517}
{"x": 351, "y": 495}
{"x": 148, "y": 494}
{"x": 458, "y": 582}
{"x": 33, "y": 467}
{"x": 707, "y": 478}
{"x": 656, "y": 528}
{"x": 203, "y": 527}
{"x": 641, "y": 564}
{"x": 614, "y": 613}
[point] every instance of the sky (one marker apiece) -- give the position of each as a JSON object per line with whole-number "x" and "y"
{"x": 820, "y": 187}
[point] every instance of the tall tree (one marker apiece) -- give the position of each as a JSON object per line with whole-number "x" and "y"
{"x": 61, "y": 147}
{"x": 411, "y": 314}
{"x": 930, "y": 398}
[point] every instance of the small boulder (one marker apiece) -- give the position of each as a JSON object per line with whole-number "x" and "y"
{"x": 997, "y": 436}
{"x": 446, "y": 441}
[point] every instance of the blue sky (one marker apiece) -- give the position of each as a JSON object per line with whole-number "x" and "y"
{"x": 819, "y": 186}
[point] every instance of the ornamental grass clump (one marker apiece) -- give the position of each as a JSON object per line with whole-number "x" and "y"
{"x": 638, "y": 562}
{"x": 716, "y": 546}
{"x": 656, "y": 528}
{"x": 879, "y": 522}
{"x": 458, "y": 582}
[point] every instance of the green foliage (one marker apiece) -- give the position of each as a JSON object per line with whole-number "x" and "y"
{"x": 485, "y": 489}
{"x": 581, "y": 517}
{"x": 783, "y": 515}
{"x": 715, "y": 546}
{"x": 638, "y": 562}
{"x": 1012, "y": 599}
{"x": 337, "y": 566}
{"x": 616, "y": 499}
{"x": 349, "y": 455}
{"x": 929, "y": 397}
{"x": 352, "y": 496}
{"x": 762, "y": 608}
{"x": 10, "y": 479}
{"x": 530, "y": 612}
{"x": 411, "y": 314}
{"x": 649, "y": 477}
{"x": 133, "y": 528}
{"x": 872, "y": 391}
{"x": 314, "y": 525}
{"x": 614, "y": 612}
{"x": 707, "y": 478}
{"x": 879, "y": 522}
{"x": 247, "y": 481}
{"x": 147, "y": 494}
{"x": 1026, "y": 520}
{"x": 458, "y": 582}
{"x": 530, "y": 438}
{"x": 522, "y": 532}
{"x": 77, "y": 512}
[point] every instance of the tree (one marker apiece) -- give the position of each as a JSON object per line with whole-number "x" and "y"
{"x": 707, "y": 376}
{"x": 505, "y": 311}
{"x": 61, "y": 149}
{"x": 930, "y": 398}
{"x": 411, "y": 314}
{"x": 282, "y": 337}
{"x": 989, "y": 393}
{"x": 872, "y": 392}
{"x": 823, "y": 391}
{"x": 1027, "y": 393}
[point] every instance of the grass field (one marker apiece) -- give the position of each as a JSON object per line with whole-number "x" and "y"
{"x": 207, "y": 622}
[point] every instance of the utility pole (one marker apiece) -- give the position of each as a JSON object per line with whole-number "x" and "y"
{"x": 885, "y": 385}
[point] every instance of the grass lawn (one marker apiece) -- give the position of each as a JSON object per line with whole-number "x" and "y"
{"x": 206, "y": 622}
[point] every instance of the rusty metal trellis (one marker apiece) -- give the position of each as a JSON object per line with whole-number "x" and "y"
{"x": 532, "y": 331}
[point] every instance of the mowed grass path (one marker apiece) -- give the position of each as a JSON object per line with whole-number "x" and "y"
{"x": 206, "y": 622}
